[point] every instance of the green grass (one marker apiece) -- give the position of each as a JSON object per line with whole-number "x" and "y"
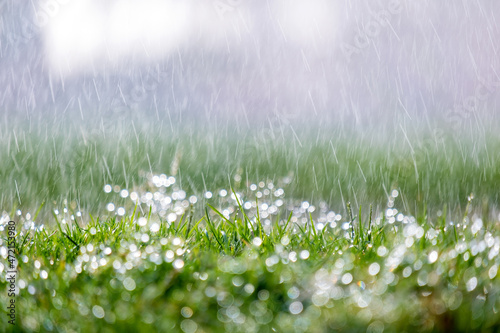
{"x": 219, "y": 274}
{"x": 370, "y": 234}
{"x": 67, "y": 162}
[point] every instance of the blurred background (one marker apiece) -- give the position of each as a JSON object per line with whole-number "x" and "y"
{"x": 357, "y": 62}
{"x": 350, "y": 99}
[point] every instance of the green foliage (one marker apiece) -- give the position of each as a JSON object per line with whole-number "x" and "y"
{"x": 232, "y": 274}
{"x": 430, "y": 265}
{"x": 74, "y": 164}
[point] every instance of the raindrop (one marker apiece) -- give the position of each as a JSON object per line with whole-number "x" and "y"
{"x": 285, "y": 240}
{"x": 477, "y": 226}
{"x": 155, "y": 227}
{"x": 407, "y": 271}
{"x": 373, "y": 269}
{"x": 186, "y": 312}
{"x": 210, "y": 292}
{"x": 471, "y": 284}
{"x": 249, "y": 288}
{"x": 178, "y": 264}
{"x": 189, "y": 326}
{"x": 304, "y": 254}
{"x": 257, "y": 241}
{"x": 129, "y": 284}
{"x": 238, "y": 281}
{"x": 433, "y": 256}
{"x": 142, "y": 221}
{"x": 134, "y": 196}
{"x": 382, "y": 251}
{"x": 492, "y": 272}
{"x": 293, "y": 292}
{"x": 296, "y": 307}
{"x": 263, "y": 295}
{"x": 98, "y": 311}
{"x": 347, "y": 278}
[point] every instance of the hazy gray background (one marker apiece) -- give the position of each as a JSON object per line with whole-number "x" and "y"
{"x": 363, "y": 62}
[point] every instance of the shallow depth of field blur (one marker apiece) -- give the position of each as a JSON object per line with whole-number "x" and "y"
{"x": 298, "y": 166}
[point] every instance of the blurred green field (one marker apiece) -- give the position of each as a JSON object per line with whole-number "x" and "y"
{"x": 54, "y": 163}
{"x": 268, "y": 229}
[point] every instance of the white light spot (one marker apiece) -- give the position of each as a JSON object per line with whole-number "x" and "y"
{"x": 257, "y": 241}
{"x": 155, "y": 227}
{"x": 110, "y": 207}
{"x": 471, "y": 284}
{"x": 98, "y": 311}
{"x": 433, "y": 256}
{"x": 347, "y": 278}
{"x": 186, "y": 312}
{"x": 492, "y": 272}
{"x": 477, "y": 226}
{"x": 373, "y": 269}
{"x": 293, "y": 292}
{"x": 142, "y": 221}
{"x": 296, "y": 307}
{"x": 129, "y": 284}
{"x": 172, "y": 217}
{"x": 304, "y": 254}
{"x": 178, "y": 263}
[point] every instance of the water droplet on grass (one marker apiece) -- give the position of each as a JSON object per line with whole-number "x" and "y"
{"x": 296, "y": 307}
{"x": 347, "y": 278}
{"x": 155, "y": 227}
{"x": 257, "y": 241}
{"x": 471, "y": 284}
{"x": 304, "y": 254}
{"x": 178, "y": 264}
{"x": 98, "y": 311}
{"x": 293, "y": 292}
{"x": 373, "y": 269}
{"x": 129, "y": 284}
{"x": 433, "y": 256}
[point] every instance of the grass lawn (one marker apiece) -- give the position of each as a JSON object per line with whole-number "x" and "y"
{"x": 284, "y": 229}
